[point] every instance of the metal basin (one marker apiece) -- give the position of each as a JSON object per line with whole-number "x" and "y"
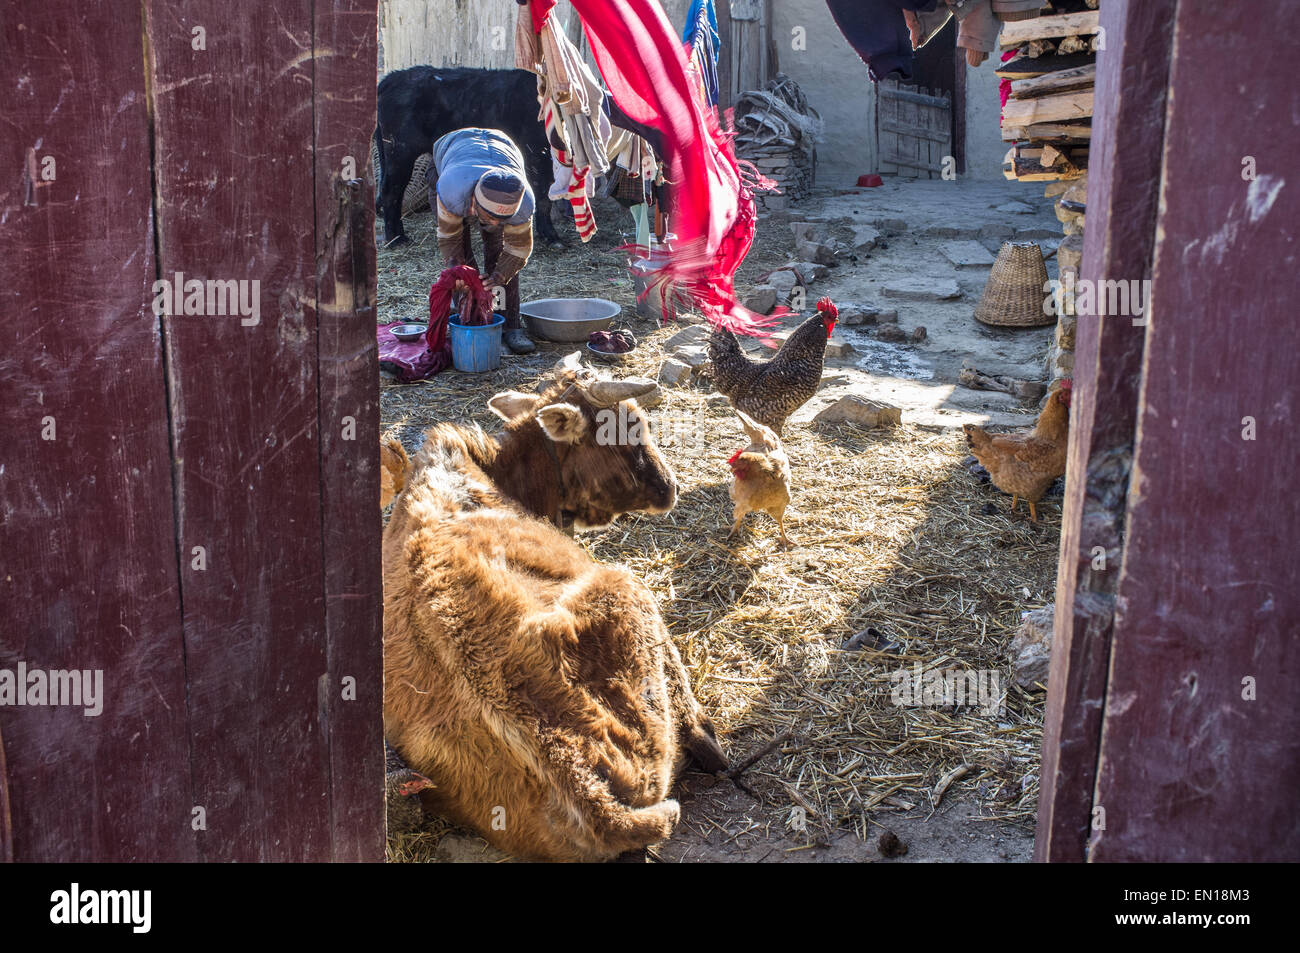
{"x": 568, "y": 320}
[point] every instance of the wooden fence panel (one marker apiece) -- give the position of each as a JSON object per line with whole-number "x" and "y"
{"x": 1119, "y": 243}
{"x": 348, "y": 369}
{"x": 1205, "y": 661}
{"x": 914, "y": 129}
{"x": 236, "y": 202}
{"x": 89, "y": 577}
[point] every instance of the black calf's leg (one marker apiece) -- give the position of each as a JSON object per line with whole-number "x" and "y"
{"x": 398, "y": 163}
{"x": 542, "y": 224}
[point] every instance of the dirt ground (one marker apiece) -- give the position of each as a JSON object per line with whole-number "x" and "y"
{"x": 894, "y": 533}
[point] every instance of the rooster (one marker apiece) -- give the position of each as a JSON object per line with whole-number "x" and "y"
{"x": 771, "y": 391}
{"x": 762, "y": 476}
{"x": 1026, "y": 464}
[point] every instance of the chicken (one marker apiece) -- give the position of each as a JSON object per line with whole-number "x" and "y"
{"x": 403, "y": 809}
{"x": 771, "y": 391}
{"x": 1025, "y": 464}
{"x": 762, "y": 476}
{"x": 393, "y": 464}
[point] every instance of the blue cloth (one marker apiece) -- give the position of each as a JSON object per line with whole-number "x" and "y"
{"x": 701, "y": 35}
{"x": 878, "y": 32}
{"x": 462, "y": 157}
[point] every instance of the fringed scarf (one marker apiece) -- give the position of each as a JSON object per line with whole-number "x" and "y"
{"x": 644, "y": 65}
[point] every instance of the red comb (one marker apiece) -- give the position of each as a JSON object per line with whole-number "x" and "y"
{"x": 827, "y": 305}
{"x": 732, "y": 459}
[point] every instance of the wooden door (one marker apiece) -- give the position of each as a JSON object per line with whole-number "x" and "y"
{"x": 914, "y": 129}
{"x": 189, "y": 499}
{"x": 1173, "y": 719}
{"x": 746, "y": 48}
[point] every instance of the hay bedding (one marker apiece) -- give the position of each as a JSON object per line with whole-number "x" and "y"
{"x": 891, "y": 535}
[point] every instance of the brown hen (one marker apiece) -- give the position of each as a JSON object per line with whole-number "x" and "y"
{"x": 1026, "y": 464}
{"x": 762, "y": 476}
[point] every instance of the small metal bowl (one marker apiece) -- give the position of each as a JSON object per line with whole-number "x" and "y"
{"x": 409, "y": 332}
{"x": 609, "y": 357}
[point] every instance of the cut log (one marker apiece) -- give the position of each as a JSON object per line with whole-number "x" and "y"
{"x": 1027, "y": 67}
{"x": 1066, "y": 24}
{"x": 1048, "y": 132}
{"x": 1061, "y": 106}
{"x": 1079, "y": 78}
{"x": 1032, "y": 164}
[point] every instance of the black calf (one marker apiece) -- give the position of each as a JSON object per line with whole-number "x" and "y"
{"x": 419, "y": 105}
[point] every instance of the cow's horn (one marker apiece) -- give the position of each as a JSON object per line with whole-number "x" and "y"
{"x": 609, "y": 393}
{"x": 569, "y": 364}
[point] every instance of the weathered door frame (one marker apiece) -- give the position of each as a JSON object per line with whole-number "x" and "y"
{"x": 223, "y": 143}
{"x": 1177, "y": 589}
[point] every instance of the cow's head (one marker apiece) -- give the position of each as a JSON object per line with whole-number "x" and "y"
{"x": 587, "y": 446}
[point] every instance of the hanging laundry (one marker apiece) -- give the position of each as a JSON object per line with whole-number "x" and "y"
{"x": 701, "y": 40}
{"x": 573, "y": 111}
{"x": 977, "y": 30}
{"x": 877, "y": 31}
{"x": 644, "y": 66}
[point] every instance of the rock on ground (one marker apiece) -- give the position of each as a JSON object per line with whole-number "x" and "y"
{"x": 966, "y": 254}
{"x": 762, "y": 299}
{"x": 923, "y": 289}
{"x": 1031, "y": 648}
{"x": 861, "y": 411}
{"x": 675, "y": 373}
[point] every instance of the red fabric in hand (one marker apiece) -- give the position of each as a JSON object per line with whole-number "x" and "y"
{"x": 476, "y": 308}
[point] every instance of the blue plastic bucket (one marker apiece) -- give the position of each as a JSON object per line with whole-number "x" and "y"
{"x": 476, "y": 348}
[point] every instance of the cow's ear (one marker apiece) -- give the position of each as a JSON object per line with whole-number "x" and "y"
{"x": 563, "y": 423}
{"x": 509, "y": 404}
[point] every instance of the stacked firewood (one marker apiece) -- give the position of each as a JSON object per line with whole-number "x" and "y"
{"x": 777, "y": 130}
{"x": 1048, "y": 116}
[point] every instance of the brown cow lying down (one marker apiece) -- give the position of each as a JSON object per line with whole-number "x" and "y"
{"x": 537, "y": 690}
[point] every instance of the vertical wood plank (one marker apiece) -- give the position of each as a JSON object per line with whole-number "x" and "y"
{"x": 235, "y": 202}
{"x": 90, "y": 569}
{"x": 1209, "y": 599}
{"x": 1124, "y": 185}
{"x": 349, "y": 412}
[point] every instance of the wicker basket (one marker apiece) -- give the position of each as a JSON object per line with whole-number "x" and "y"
{"x": 1014, "y": 295}
{"x": 416, "y": 196}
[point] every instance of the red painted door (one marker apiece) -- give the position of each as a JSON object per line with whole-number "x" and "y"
{"x": 1173, "y": 721}
{"x": 188, "y": 498}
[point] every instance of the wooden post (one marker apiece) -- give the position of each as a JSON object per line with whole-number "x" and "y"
{"x": 1133, "y": 74}
{"x": 1172, "y": 730}
{"x": 725, "y": 54}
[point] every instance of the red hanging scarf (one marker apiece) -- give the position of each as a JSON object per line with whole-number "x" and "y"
{"x": 644, "y": 64}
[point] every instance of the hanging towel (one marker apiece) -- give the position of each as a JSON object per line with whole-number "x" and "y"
{"x": 644, "y": 66}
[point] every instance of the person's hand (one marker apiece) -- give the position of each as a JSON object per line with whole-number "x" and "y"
{"x": 493, "y": 280}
